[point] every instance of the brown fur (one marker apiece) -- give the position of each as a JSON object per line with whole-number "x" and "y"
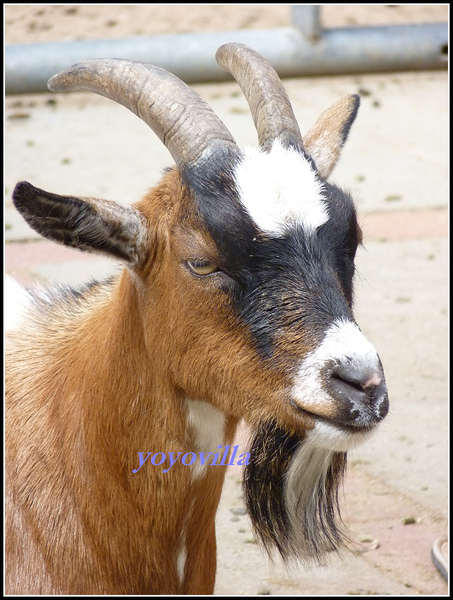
{"x": 90, "y": 383}
{"x": 129, "y": 367}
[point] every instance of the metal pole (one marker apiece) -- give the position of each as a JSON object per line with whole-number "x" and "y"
{"x": 307, "y": 19}
{"x": 191, "y": 56}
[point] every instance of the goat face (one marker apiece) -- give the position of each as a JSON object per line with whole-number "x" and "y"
{"x": 309, "y": 380}
{"x": 247, "y": 260}
{"x": 286, "y": 290}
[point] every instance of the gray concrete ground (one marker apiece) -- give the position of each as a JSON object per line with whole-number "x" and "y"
{"x": 395, "y": 163}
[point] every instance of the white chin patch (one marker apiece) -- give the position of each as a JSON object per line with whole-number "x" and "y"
{"x": 280, "y": 189}
{"x": 329, "y": 437}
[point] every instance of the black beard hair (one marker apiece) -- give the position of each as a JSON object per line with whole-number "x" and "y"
{"x": 291, "y": 495}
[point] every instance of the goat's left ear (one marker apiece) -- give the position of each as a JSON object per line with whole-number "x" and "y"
{"x": 88, "y": 224}
{"x": 325, "y": 139}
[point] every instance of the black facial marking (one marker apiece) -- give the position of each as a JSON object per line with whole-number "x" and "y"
{"x": 295, "y": 283}
{"x": 223, "y": 215}
{"x": 339, "y": 236}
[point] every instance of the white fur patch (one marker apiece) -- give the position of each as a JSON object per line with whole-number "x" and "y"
{"x": 343, "y": 343}
{"x": 328, "y": 437}
{"x": 17, "y": 303}
{"x": 306, "y": 475}
{"x": 280, "y": 189}
{"x": 308, "y": 469}
{"x": 207, "y": 424}
{"x": 181, "y": 556}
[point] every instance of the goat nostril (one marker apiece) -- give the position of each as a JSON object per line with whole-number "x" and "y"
{"x": 364, "y": 388}
{"x": 358, "y": 379}
{"x": 349, "y": 382}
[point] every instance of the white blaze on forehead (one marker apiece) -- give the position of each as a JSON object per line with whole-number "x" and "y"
{"x": 279, "y": 189}
{"x": 343, "y": 343}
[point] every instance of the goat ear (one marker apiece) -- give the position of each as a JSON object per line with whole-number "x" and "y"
{"x": 84, "y": 223}
{"x": 325, "y": 139}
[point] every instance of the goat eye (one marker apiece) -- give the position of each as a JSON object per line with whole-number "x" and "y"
{"x": 202, "y": 267}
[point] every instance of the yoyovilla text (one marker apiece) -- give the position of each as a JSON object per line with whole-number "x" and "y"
{"x": 211, "y": 459}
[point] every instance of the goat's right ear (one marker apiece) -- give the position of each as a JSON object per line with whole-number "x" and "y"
{"x": 88, "y": 224}
{"x": 325, "y": 139}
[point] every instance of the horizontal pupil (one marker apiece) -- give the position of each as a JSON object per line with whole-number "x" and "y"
{"x": 202, "y": 267}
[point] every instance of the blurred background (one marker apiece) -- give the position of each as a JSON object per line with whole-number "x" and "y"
{"x": 395, "y": 163}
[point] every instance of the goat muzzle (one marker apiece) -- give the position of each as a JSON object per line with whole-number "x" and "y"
{"x": 361, "y": 395}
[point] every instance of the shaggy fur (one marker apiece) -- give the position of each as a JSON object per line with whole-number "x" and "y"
{"x": 291, "y": 493}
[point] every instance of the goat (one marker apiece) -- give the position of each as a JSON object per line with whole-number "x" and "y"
{"x": 235, "y": 303}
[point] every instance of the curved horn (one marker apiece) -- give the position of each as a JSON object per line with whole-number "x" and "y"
{"x": 269, "y": 103}
{"x": 182, "y": 120}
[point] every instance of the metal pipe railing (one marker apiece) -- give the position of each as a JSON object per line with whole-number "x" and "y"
{"x": 304, "y": 49}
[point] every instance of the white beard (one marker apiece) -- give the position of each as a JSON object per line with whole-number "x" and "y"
{"x": 291, "y": 490}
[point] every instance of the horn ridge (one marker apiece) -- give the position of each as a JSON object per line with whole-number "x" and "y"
{"x": 269, "y": 103}
{"x": 181, "y": 119}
